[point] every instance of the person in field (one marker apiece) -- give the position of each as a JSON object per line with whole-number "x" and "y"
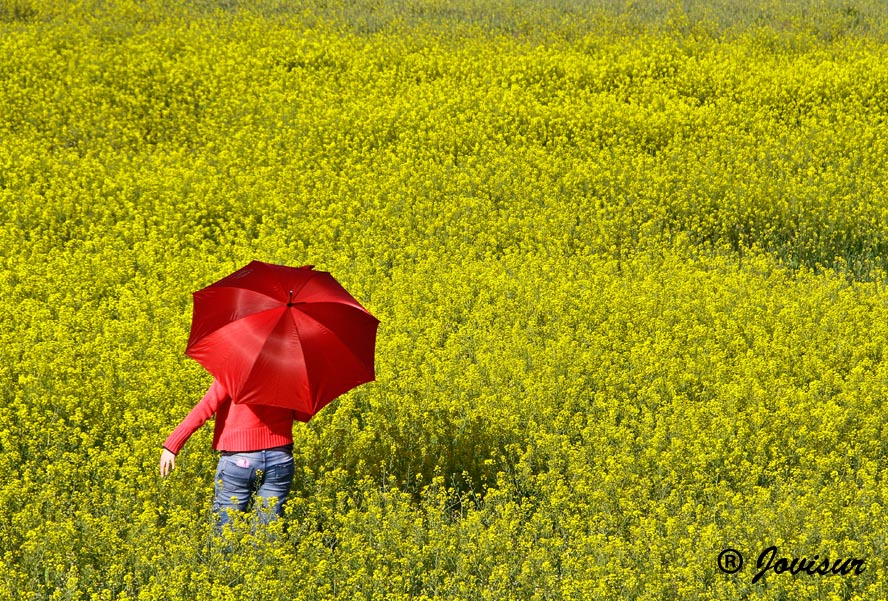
{"x": 256, "y": 444}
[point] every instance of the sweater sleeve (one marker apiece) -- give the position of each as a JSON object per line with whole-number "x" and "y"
{"x": 205, "y": 409}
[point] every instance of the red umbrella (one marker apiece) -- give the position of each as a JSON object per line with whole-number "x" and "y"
{"x": 284, "y": 336}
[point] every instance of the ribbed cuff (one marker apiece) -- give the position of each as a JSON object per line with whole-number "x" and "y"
{"x": 176, "y": 441}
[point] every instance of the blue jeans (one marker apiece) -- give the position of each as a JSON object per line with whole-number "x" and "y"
{"x": 267, "y": 473}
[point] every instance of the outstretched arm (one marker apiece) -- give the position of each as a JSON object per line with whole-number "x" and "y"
{"x": 205, "y": 409}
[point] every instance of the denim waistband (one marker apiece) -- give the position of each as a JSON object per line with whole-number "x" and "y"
{"x": 287, "y": 448}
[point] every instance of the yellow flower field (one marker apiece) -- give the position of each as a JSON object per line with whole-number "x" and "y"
{"x": 629, "y": 261}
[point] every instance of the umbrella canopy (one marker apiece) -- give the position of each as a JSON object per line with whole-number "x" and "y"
{"x": 283, "y": 336}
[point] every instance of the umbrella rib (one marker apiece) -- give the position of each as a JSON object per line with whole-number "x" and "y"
{"x": 304, "y": 283}
{"x": 310, "y": 398}
{"x": 338, "y": 304}
{"x": 305, "y": 378}
{"x": 295, "y": 292}
{"x": 259, "y": 292}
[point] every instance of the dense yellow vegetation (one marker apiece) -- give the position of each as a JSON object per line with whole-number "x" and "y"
{"x": 629, "y": 267}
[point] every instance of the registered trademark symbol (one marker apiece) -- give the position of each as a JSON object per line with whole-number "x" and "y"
{"x": 730, "y": 561}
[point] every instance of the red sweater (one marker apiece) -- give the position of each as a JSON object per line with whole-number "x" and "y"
{"x": 238, "y": 427}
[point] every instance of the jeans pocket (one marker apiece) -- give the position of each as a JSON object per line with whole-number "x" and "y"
{"x": 278, "y": 479}
{"x": 234, "y": 483}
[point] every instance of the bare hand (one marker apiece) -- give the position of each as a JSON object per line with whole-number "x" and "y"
{"x": 167, "y": 462}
